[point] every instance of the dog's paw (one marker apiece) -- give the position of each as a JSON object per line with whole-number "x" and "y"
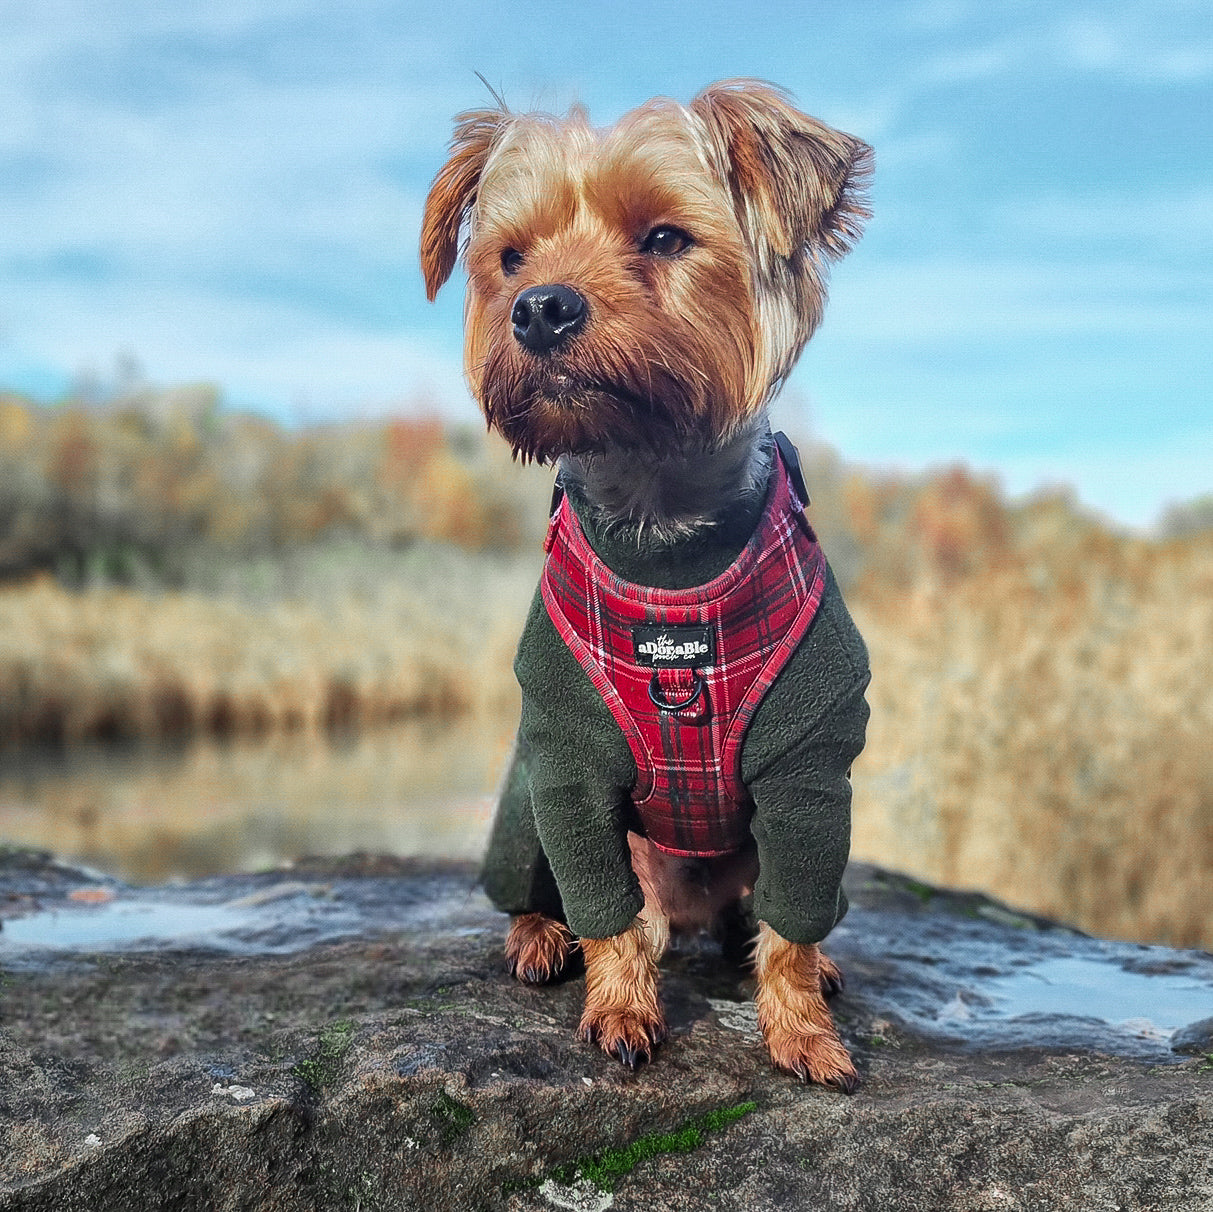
{"x": 624, "y": 1033}
{"x": 816, "y": 1056}
{"x": 537, "y": 948}
{"x": 793, "y": 979}
{"x": 832, "y": 980}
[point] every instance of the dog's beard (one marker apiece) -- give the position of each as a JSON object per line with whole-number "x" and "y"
{"x": 561, "y": 405}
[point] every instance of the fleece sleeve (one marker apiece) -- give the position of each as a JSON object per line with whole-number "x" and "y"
{"x": 581, "y": 773}
{"x": 796, "y": 763}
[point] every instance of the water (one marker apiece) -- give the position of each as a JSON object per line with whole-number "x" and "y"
{"x": 966, "y": 978}
{"x": 257, "y": 915}
{"x": 124, "y": 923}
{"x": 1088, "y": 988}
{"x": 148, "y": 815}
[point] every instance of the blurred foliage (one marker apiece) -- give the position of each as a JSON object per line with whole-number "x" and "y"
{"x": 1187, "y": 517}
{"x": 128, "y": 491}
{"x": 143, "y": 486}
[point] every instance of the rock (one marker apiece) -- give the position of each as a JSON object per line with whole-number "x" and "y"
{"x": 1196, "y": 1038}
{"x": 344, "y": 1036}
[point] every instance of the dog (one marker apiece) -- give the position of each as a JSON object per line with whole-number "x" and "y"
{"x": 693, "y": 687}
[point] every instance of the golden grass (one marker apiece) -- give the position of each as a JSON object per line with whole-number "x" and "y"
{"x": 109, "y": 663}
{"x": 1041, "y": 730}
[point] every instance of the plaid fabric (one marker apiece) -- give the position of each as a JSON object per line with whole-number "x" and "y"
{"x": 689, "y": 794}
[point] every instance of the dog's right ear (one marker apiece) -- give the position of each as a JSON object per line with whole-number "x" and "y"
{"x": 454, "y": 192}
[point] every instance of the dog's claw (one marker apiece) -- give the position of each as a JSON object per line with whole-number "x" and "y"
{"x": 629, "y": 1043}
{"x": 831, "y": 978}
{"x": 629, "y": 1056}
{"x": 844, "y": 1083}
{"x": 819, "y": 1058}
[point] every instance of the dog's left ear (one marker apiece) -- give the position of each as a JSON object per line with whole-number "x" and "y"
{"x": 797, "y": 184}
{"x": 454, "y": 192}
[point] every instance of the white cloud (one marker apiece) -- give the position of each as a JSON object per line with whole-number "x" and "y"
{"x": 976, "y": 63}
{"x": 1138, "y": 42}
{"x": 937, "y": 15}
{"x": 1168, "y": 221}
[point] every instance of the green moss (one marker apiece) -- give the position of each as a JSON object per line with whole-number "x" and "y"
{"x": 1207, "y": 1067}
{"x": 606, "y": 1168}
{"x": 320, "y": 1069}
{"x": 451, "y": 1117}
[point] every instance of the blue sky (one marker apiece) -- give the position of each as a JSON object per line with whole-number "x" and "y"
{"x": 231, "y": 192}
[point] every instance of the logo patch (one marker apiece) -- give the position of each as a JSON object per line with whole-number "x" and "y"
{"x": 674, "y": 647}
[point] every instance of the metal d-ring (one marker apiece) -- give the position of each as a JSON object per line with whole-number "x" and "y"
{"x": 663, "y": 704}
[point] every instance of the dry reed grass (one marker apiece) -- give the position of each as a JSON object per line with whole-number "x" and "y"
{"x": 1041, "y": 727}
{"x": 113, "y": 664}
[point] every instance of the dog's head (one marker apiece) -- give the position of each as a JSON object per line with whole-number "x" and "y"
{"x": 646, "y": 285}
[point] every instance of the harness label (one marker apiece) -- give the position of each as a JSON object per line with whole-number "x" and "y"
{"x": 674, "y": 647}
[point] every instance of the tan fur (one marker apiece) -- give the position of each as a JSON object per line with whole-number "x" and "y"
{"x": 682, "y": 350}
{"x": 832, "y": 980}
{"x": 655, "y": 404}
{"x": 622, "y": 1009}
{"x": 453, "y": 193}
{"x": 793, "y": 1014}
{"x": 537, "y": 948}
{"x": 688, "y": 895}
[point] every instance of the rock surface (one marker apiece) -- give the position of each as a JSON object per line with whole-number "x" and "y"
{"x": 344, "y": 1036}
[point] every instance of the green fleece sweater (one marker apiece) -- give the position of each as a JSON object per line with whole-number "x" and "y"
{"x": 559, "y": 840}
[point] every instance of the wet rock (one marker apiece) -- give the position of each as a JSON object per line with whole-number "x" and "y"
{"x": 344, "y": 1036}
{"x": 1196, "y": 1038}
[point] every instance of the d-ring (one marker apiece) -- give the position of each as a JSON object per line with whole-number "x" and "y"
{"x": 663, "y": 704}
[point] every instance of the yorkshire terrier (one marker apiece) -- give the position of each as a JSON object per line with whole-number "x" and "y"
{"x": 693, "y": 687}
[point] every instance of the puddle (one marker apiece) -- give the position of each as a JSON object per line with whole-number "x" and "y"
{"x": 1085, "y": 988}
{"x": 124, "y": 924}
{"x": 254, "y": 917}
{"x": 271, "y": 919}
{"x": 973, "y": 983}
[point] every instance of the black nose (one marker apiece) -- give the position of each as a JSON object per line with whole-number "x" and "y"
{"x": 545, "y": 317}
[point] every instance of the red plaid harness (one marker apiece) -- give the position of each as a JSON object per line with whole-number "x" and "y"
{"x": 683, "y": 670}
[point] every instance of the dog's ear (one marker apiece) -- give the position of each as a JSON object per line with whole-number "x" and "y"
{"x": 797, "y": 184}
{"x": 454, "y": 192}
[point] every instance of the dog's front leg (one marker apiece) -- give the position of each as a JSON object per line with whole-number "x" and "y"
{"x": 622, "y": 1007}
{"x": 793, "y": 1014}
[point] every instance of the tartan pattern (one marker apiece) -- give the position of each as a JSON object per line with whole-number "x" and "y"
{"x": 688, "y": 793}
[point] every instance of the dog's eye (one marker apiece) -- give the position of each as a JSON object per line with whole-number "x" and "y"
{"x": 511, "y": 262}
{"x": 666, "y": 241}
